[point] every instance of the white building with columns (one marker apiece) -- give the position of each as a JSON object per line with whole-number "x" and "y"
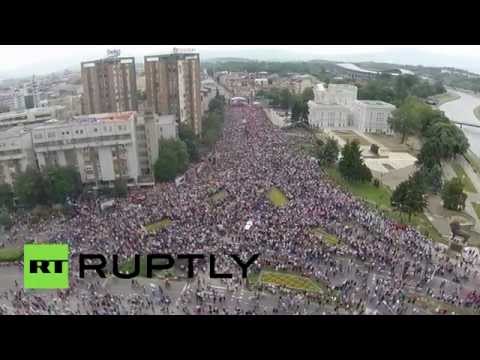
{"x": 337, "y": 107}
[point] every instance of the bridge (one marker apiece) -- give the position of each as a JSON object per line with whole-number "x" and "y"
{"x": 462, "y": 124}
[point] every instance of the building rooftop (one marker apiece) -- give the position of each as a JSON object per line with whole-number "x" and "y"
{"x": 180, "y": 55}
{"x": 108, "y": 60}
{"x": 375, "y": 103}
{"x": 107, "y": 117}
{"x": 89, "y": 119}
{"x": 353, "y": 67}
{"x": 34, "y": 111}
{"x": 16, "y": 131}
{"x": 406, "y": 72}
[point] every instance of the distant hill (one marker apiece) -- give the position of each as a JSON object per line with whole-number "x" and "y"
{"x": 227, "y": 59}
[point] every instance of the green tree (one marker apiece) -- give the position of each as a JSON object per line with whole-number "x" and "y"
{"x": 286, "y": 99}
{"x": 186, "y": 134}
{"x": 63, "y": 182}
{"x": 32, "y": 188}
{"x": 327, "y": 153}
{"x": 447, "y": 140}
{"x": 453, "y": 195}
{"x": 5, "y": 219}
{"x": 405, "y": 120}
{"x": 172, "y": 160}
{"x": 430, "y": 176}
{"x": 408, "y": 197}
{"x": 351, "y": 165}
{"x": 308, "y": 94}
{"x": 6, "y": 196}
{"x": 120, "y": 187}
{"x": 297, "y": 111}
{"x": 429, "y": 117}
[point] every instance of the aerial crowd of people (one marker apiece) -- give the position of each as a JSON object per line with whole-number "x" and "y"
{"x": 378, "y": 266}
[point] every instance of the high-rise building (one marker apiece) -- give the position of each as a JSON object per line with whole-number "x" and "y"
{"x": 109, "y": 85}
{"x": 173, "y": 87}
{"x": 32, "y": 94}
{"x": 19, "y": 99}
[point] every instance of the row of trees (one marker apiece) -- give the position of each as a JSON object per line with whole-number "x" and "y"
{"x": 212, "y": 124}
{"x": 176, "y": 154}
{"x": 441, "y": 140}
{"x": 281, "y": 68}
{"x": 351, "y": 165}
{"x": 41, "y": 187}
{"x": 297, "y": 104}
{"x": 395, "y": 89}
{"x": 410, "y": 196}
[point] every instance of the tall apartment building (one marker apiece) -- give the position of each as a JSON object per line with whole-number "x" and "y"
{"x": 173, "y": 87}
{"x": 109, "y": 85}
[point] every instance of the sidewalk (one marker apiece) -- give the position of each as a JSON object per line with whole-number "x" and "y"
{"x": 449, "y": 173}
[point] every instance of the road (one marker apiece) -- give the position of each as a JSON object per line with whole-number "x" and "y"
{"x": 461, "y": 110}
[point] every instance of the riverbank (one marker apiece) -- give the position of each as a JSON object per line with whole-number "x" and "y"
{"x": 462, "y": 110}
{"x": 446, "y": 97}
{"x": 476, "y": 111}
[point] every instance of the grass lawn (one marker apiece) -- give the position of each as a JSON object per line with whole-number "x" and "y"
{"x": 329, "y": 239}
{"x": 474, "y": 161}
{"x": 350, "y": 136}
{"x": 309, "y": 149}
{"x": 366, "y": 191}
{"x": 476, "y": 111}
{"x": 380, "y": 197}
{"x": 129, "y": 266}
{"x": 219, "y": 196}
{"x": 444, "y": 98}
{"x": 153, "y": 228}
{"x": 476, "y": 207}
{"x": 463, "y": 175}
{"x": 290, "y": 281}
{"x": 277, "y": 197}
{"x": 11, "y": 254}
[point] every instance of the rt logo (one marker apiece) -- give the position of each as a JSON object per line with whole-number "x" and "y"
{"x": 45, "y": 266}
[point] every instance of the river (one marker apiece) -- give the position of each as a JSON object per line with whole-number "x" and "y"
{"x": 462, "y": 110}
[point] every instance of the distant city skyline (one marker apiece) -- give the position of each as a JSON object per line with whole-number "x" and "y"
{"x": 24, "y": 60}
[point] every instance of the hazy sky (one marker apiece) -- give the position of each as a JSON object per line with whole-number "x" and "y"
{"x": 18, "y": 59}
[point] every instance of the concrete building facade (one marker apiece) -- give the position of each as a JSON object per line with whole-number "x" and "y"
{"x": 109, "y": 85}
{"x": 16, "y": 153}
{"x": 370, "y": 116}
{"x": 173, "y": 87}
{"x": 31, "y": 116}
{"x": 104, "y": 147}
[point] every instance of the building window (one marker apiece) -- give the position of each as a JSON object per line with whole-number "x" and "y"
{"x": 95, "y": 130}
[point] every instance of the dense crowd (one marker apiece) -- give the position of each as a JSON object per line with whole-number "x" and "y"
{"x": 377, "y": 264}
